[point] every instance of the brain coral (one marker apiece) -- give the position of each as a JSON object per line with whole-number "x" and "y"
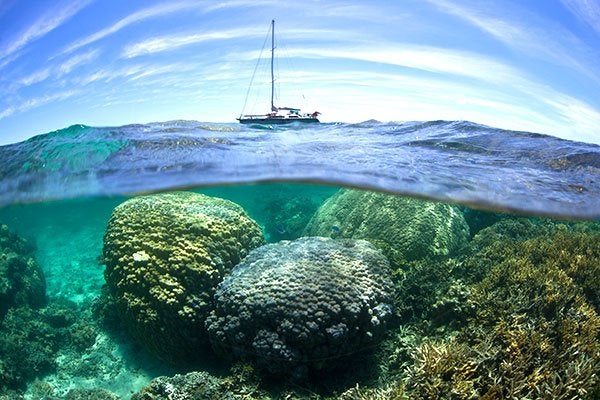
{"x": 302, "y": 305}
{"x": 405, "y": 228}
{"x": 165, "y": 255}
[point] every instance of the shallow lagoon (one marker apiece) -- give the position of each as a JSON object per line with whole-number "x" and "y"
{"x": 510, "y": 310}
{"x": 433, "y": 290}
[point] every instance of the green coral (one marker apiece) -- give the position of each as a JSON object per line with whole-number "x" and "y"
{"x": 404, "y": 228}
{"x": 164, "y": 256}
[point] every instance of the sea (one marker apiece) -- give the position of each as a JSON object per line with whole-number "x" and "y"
{"x": 490, "y": 240}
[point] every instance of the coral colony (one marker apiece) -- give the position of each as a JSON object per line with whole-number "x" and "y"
{"x": 372, "y": 296}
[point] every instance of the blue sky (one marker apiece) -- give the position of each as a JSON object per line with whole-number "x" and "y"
{"x": 527, "y": 65}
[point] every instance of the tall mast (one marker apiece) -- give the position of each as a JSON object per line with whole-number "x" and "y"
{"x": 272, "y": 56}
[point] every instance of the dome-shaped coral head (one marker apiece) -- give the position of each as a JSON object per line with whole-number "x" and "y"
{"x": 298, "y": 306}
{"x": 165, "y": 255}
{"x": 404, "y": 228}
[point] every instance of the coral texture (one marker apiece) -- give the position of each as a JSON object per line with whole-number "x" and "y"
{"x": 165, "y": 255}
{"x": 31, "y": 340}
{"x": 241, "y": 383}
{"x": 22, "y": 281}
{"x": 302, "y": 305}
{"x": 535, "y": 329}
{"x": 404, "y": 228}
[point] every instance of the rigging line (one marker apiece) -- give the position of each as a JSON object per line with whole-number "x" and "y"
{"x": 297, "y": 92}
{"x": 254, "y": 73}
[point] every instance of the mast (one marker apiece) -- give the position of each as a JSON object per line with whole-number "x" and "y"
{"x": 272, "y": 56}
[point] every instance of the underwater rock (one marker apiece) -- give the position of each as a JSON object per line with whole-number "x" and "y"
{"x": 22, "y": 281}
{"x": 303, "y": 305}
{"x": 165, "y": 255}
{"x": 404, "y": 228}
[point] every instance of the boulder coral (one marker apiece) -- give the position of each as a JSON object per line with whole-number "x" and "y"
{"x": 404, "y": 228}
{"x": 298, "y": 306}
{"x": 165, "y": 255}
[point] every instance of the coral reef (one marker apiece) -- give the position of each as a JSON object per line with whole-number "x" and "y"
{"x": 30, "y": 341}
{"x": 287, "y": 217}
{"x": 304, "y": 305}
{"x": 433, "y": 294}
{"x": 404, "y": 228}
{"x": 534, "y": 332}
{"x": 43, "y": 391}
{"x": 165, "y": 255}
{"x": 480, "y": 219}
{"x": 32, "y": 331}
{"x": 90, "y": 394}
{"x": 200, "y": 385}
{"x": 22, "y": 281}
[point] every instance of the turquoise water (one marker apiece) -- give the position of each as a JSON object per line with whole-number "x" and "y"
{"x": 481, "y": 302}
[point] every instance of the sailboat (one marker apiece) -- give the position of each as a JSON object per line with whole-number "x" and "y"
{"x": 278, "y": 115}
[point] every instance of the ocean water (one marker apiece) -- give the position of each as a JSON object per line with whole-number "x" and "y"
{"x": 490, "y": 237}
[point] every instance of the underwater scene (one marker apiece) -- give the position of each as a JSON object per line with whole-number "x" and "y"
{"x": 181, "y": 260}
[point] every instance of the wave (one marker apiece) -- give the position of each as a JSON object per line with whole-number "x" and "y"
{"x": 454, "y": 161}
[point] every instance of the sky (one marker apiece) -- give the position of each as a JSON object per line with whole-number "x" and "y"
{"x": 528, "y": 65}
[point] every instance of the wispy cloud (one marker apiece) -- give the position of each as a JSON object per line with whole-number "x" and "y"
{"x": 36, "y": 102}
{"x": 543, "y": 40}
{"x": 35, "y": 77}
{"x": 107, "y": 75}
{"x": 494, "y": 93}
{"x": 587, "y": 11}
{"x": 139, "y": 16}
{"x": 163, "y": 69}
{"x": 43, "y": 25}
{"x": 171, "y": 42}
{"x": 425, "y": 58}
{"x": 134, "y": 72}
{"x": 53, "y": 71}
{"x": 77, "y": 60}
{"x": 242, "y": 3}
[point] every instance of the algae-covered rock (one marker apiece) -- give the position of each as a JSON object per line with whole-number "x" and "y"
{"x": 22, "y": 281}
{"x": 405, "y": 228}
{"x": 164, "y": 256}
{"x": 302, "y": 305}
